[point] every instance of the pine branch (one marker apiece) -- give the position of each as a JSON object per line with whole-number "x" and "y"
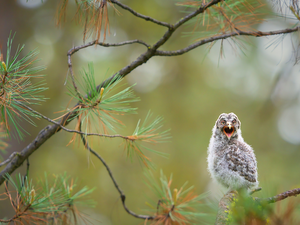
{"x": 224, "y": 207}
{"x": 147, "y": 18}
{"x": 93, "y": 43}
{"x": 280, "y": 197}
{"x": 174, "y": 206}
{"x": 225, "y": 36}
{"x": 70, "y": 130}
{"x": 122, "y": 195}
{"x": 72, "y": 77}
{"x": 50, "y": 130}
{"x": 16, "y": 87}
{"x": 9, "y": 158}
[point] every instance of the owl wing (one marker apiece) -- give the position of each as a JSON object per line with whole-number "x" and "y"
{"x": 241, "y": 159}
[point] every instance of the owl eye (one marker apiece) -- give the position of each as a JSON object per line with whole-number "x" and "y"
{"x": 223, "y": 122}
{"x": 233, "y": 121}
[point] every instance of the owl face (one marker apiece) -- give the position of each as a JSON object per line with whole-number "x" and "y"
{"x": 228, "y": 124}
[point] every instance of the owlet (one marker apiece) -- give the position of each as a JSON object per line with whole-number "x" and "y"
{"x": 231, "y": 161}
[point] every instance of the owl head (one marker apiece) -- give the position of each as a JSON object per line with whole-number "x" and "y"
{"x": 228, "y": 125}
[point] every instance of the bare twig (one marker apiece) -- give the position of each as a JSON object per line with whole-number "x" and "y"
{"x": 73, "y": 131}
{"x": 147, "y": 18}
{"x": 77, "y": 48}
{"x": 281, "y": 196}
{"x": 9, "y": 158}
{"x": 92, "y": 43}
{"x": 122, "y": 195}
{"x": 255, "y": 190}
{"x": 224, "y": 36}
{"x": 72, "y": 76}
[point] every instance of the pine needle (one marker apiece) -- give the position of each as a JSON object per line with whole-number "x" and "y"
{"x": 148, "y": 132}
{"x": 43, "y": 203}
{"x": 16, "y": 88}
{"x": 174, "y": 206}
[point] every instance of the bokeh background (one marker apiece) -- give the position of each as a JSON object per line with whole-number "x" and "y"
{"x": 189, "y": 91}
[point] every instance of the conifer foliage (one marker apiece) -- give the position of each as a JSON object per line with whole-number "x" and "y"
{"x": 99, "y": 111}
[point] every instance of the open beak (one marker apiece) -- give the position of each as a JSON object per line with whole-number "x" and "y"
{"x": 228, "y": 130}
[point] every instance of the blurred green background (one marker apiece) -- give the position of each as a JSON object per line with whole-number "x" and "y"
{"x": 189, "y": 91}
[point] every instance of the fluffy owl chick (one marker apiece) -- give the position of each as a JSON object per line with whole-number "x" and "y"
{"x": 231, "y": 161}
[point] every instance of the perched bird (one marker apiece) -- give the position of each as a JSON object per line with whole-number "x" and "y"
{"x": 231, "y": 161}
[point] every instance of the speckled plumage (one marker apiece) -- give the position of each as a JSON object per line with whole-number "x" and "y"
{"x": 231, "y": 161}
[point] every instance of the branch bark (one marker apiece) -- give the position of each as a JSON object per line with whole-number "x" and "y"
{"x": 224, "y": 207}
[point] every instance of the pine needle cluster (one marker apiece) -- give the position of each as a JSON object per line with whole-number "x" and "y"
{"x": 175, "y": 206}
{"x": 3, "y": 144}
{"x": 17, "y": 88}
{"x": 44, "y": 203}
{"x": 147, "y": 132}
{"x": 226, "y": 16}
{"x": 92, "y": 14}
{"x": 98, "y": 109}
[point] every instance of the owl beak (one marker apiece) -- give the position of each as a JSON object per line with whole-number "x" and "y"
{"x": 228, "y": 130}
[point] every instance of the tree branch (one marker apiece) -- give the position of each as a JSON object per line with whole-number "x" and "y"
{"x": 9, "y": 159}
{"x": 77, "y": 48}
{"x": 147, "y": 18}
{"x": 122, "y": 195}
{"x": 69, "y": 130}
{"x": 224, "y": 207}
{"x": 50, "y": 130}
{"x": 224, "y": 36}
{"x": 281, "y": 196}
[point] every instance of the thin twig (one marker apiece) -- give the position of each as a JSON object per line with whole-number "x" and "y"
{"x": 73, "y": 131}
{"x": 224, "y": 36}
{"x": 92, "y": 43}
{"x": 281, "y": 196}
{"x": 122, "y": 195}
{"x": 147, "y": 18}
{"x": 77, "y": 48}
{"x": 255, "y": 190}
{"x": 9, "y": 158}
{"x": 27, "y": 170}
{"x": 72, "y": 77}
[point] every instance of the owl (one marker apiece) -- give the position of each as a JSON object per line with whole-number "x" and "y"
{"x": 231, "y": 161}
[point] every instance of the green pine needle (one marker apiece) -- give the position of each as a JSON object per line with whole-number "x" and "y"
{"x": 147, "y": 132}
{"x": 3, "y": 144}
{"x": 101, "y": 107}
{"x": 48, "y": 201}
{"x": 174, "y": 205}
{"x": 224, "y": 17}
{"x": 16, "y": 87}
